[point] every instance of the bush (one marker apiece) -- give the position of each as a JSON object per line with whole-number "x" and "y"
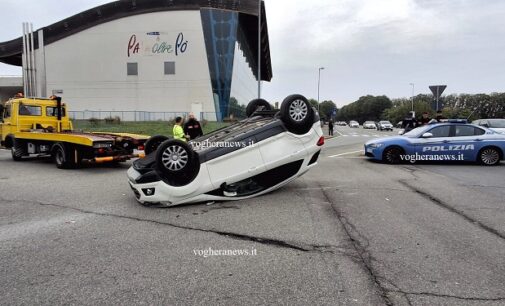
{"x": 113, "y": 120}
{"x": 94, "y": 121}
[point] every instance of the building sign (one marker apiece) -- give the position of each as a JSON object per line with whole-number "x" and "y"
{"x": 156, "y": 43}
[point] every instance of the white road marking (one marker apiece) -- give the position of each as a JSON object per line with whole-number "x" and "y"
{"x": 364, "y": 135}
{"x": 339, "y": 132}
{"x": 346, "y": 153}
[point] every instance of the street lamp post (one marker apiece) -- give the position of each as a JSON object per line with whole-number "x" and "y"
{"x": 259, "y": 49}
{"x": 412, "y": 84}
{"x": 318, "y": 85}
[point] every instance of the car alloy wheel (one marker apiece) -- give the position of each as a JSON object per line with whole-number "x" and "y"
{"x": 490, "y": 156}
{"x": 392, "y": 155}
{"x": 298, "y": 110}
{"x": 175, "y": 158}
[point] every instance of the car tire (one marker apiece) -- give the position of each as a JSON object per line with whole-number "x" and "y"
{"x": 176, "y": 163}
{"x": 391, "y": 155}
{"x": 153, "y": 143}
{"x": 18, "y": 150}
{"x": 255, "y": 104}
{"x": 297, "y": 114}
{"x": 490, "y": 156}
{"x": 64, "y": 156}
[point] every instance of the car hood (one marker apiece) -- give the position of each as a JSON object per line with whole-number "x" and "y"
{"x": 390, "y": 139}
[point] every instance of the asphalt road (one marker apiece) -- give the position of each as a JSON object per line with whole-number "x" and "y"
{"x": 349, "y": 232}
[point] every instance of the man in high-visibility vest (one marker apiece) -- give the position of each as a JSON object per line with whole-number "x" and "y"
{"x": 178, "y": 130}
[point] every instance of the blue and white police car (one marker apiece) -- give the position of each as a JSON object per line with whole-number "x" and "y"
{"x": 454, "y": 140}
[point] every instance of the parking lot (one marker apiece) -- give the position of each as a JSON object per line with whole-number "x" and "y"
{"x": 349, "y": 232}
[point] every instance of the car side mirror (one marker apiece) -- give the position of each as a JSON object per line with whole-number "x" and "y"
{"x": 427, "y": 135}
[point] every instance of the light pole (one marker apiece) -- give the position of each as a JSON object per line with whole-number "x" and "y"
{"x": 412, "y": 84}
{"x": 259, "y": 49}
{"x": 318, "y": 85}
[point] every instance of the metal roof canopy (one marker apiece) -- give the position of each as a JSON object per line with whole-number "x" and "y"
{"x": 11, "y": 51}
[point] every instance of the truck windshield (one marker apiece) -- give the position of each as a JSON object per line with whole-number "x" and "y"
{"x": 53, "y": 111}
{"x": 29, "y": 110}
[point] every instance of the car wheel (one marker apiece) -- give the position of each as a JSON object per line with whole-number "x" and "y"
{"x": 257, "y": 104}
{"x": 489, "y": 156}
{"x": 176, "y": 163}
{"x": 392, "y": 155}
{"x": 153, "y": 143}
{"x": 18, "y": 150}
{"x": 63, "y": 156}
{"x": 297, "y": 114}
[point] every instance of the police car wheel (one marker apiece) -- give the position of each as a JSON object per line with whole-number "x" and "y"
{"x": 297, "y": 114}
{"x": 257, "y": 104}
{"x": 489, "y": 156}
{"x": 176, "y": 163}
{"x": 392, "y": 155}
{"x": 153, "y": 143}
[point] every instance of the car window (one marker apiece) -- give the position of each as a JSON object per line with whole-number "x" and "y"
{"x": 464, "y": 130}
{"x": 7, "y": 111}
{"x": 29, "y": 110}
{"x": 441, "y": 131}
{"x": 53, "y": 111}
{"x": 479, "y": 131}
{"x": 497, "y": 123}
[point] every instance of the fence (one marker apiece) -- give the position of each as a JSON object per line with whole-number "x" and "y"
{"x": 136, "y": 115}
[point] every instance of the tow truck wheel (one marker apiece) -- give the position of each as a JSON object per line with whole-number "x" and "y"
{"x": 255, "y": 104}
{"x": 176, "y": 163}
{"x": 63, "y": 156}
{"x": 18, "y": 150}
{"x": 297, "y": 114}
{"x": 153, "y": 143}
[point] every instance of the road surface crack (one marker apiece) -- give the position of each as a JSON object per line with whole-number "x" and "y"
{"x": 262, "y": 240}
{"x": 361, "y": 248}
{"x": 448, "y": 296}
{"x": 448, "y": 207}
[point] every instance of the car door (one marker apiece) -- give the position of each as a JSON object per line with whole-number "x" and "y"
{"x": 467, "y": 141}
{"x": 437, "y": 144}
{"x": 237, "y": 160}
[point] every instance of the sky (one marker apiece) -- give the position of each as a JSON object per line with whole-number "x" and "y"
{"x": 365, "y": 46}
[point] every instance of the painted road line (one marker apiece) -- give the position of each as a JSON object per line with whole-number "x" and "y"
{"x": 339, "y": 132}
{"x": 346, "y": 153}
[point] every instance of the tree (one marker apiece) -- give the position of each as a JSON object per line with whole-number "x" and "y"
{"x": 236, "y": 109}
{"x": 326, "y": 109}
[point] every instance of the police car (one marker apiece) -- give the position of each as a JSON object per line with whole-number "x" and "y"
{"x": 454, "y": 140}
{"x": 249, "y": 158}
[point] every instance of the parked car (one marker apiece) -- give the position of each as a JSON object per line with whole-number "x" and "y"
{"x": 454, "y": 140}
{"x": 369, "y": 125}
{"x": 384, "y": 125}
{"x": 249, "y": 158}
{"x": 353, "y": 124}
{"x": 497, "y": 125}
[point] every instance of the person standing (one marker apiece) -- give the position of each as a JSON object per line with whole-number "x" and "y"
{"x": 178, "y": 130}
{"x": 192, "y": 127}
{"x": 425, "y": 119}
{"x": 330, "y": 127}
{"x": 409, "y": 123}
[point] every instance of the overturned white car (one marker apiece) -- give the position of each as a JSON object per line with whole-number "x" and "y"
{"x": 249, "y": 158}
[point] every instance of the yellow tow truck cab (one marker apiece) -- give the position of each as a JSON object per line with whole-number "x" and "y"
{"x": 36, "y": 126}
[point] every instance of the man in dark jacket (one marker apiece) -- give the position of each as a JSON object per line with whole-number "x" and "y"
{"x": 192, "y": 127}
{"x": 409, "y": 123}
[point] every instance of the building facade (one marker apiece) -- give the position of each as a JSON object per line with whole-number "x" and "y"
{"x": 153, "y": 56}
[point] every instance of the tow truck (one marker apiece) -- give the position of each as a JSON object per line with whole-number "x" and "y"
{"x": 41, "y": 127}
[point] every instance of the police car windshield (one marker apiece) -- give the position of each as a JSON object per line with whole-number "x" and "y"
{"x": 416, "y": 132}
{"x": 497, "y": 123}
